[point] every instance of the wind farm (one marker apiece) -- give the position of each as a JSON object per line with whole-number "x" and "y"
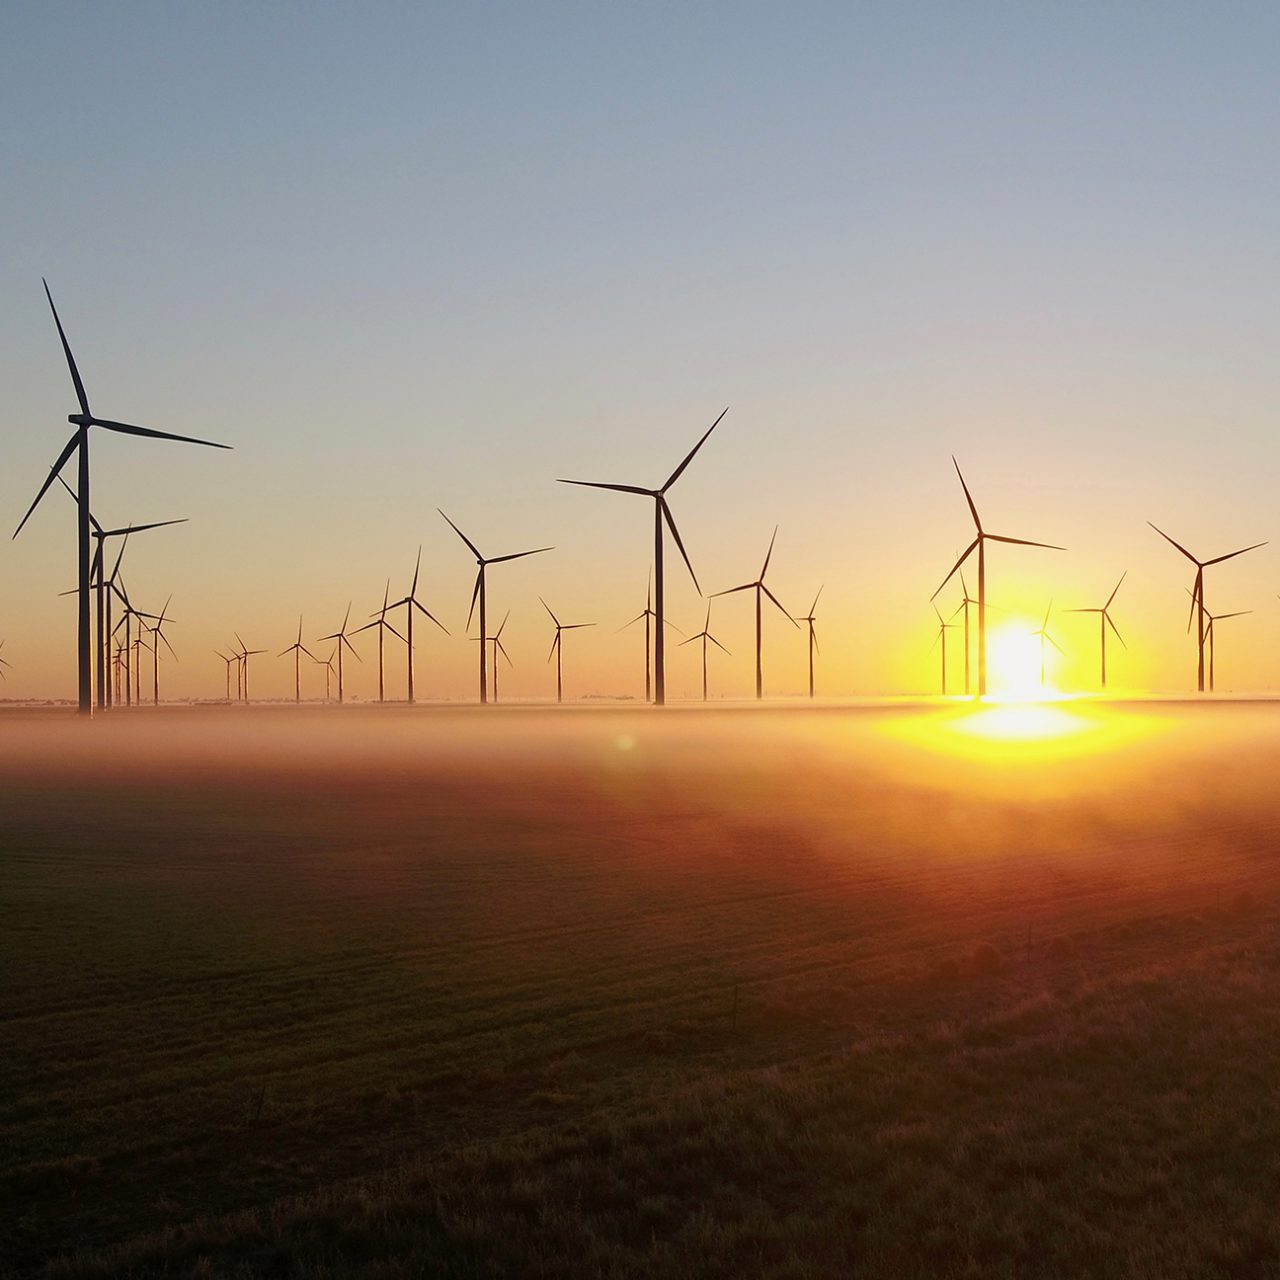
{"x": 582, "y": 907}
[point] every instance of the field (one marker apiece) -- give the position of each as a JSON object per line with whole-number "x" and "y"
{"x": 451, "y": 992}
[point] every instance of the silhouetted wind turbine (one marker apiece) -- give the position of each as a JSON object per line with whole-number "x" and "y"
{"x": 661, "y": 512}
{"x": 557, "y": 651}
{"x": 139, "y": 643}
{"x": 410, "y": 603}
{"x": 157, "y": 635}
{"x": 965, "y": 602}
{"x": 380, "y": 621}
{"x": 1214, "y": 618}
{"x": 1043, "y": 632}
{"x": 98, "y": 581}
{"x": 234, "y": 657}
{"x": 80, "y": 441}
{"x": 478, "y": 593}
{"x": 498, "y": 647}
{"x": 809, "y": 619}
{"x": 341, "y": 637}
{"x": 979, "y": 544}
{"x": 1104, "y": 621}
{"x": 327, "y": 664}
{"x": 761, "y": 591}
{"x": 297, "y": 648}
{"x": 705, "y": 635}
{"x": 943, "y": 627}
{"x": 647, "y": 615}
{"x": 245, "y": 654}
{"x": 1197, "y": 595}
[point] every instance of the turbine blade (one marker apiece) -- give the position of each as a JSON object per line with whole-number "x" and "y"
{"x": 1023, "y": 542}
{"x": 474, "y": 549}
{"x": 475, "y": 595}
{"x": 778, "y": 602}
{"x": 1112, "y": 596}
{"x": 1114, "y": 628}
{"x": 1232, "y": 554}
{"x": 956, "y": 567}
{"x": 717, "y": 644}
{"x": 617, "y": 488}
{"x": 426, "y": 614}
{"x": 68, "y": 449}
{"x": 1056, "y": 645}
{"x": 632, "y": 623}
{"x": 128, "y": 429}
{"x": 968, "y": 497}
{"x": 675, "y": 533}
{"x": 394, "y": 632}
{"x": 66, "y": 348}
{"x": 679, "y": 471}
{"x": 814, "y": 605}
{"x": 673, "y": 627}
{"x": 547, "y": 607}
{"x": 1179, "y": 545}
{"x": 417, "y": 564}
{"x": 769, "y": 554}
{"x": 519, "y": 555}
{"x": 746, "y": 586}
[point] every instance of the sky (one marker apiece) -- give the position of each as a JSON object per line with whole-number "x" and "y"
{"x": 408, "y": 257}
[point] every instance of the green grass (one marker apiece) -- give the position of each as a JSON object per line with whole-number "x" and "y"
{"x": 451, "y": 1004}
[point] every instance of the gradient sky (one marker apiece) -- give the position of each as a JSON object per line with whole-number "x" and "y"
{"x": 406, "y": 257}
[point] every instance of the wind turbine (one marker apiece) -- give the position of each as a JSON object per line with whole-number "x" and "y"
{"x": 410, "y": 603}
{"x": 327, "y": 664}
{"x": 761, "y": 591}
{"x": 478, "y": 593}
{"x": 1213, "y": 618}
{"x": 498, "y": 647}
{"x": 965, "y": 602}
{"x": 979, "y": 544}
{"x": 79, "y": 441}
{"x": 661, "y": 512}
{"x": 1104, "y": 621}
{"x": 99, "y": 583}
{"x": 705, "y": 635}
{"x": 234, "y": 657}
{"x": 647, "y": 615}
{"x": 1197, "y": 595}
{"x": 157, "y": 635}
{"x": 380, "y": 621}
{"x": 1043, "y": 632}
{"x": 557, "y": 647}
{"x": 343, "y": 639}
{"x": 809, "y": 619}
{"x": 245, "y": 654}
{"x": 943, "y": 627}
{"x": 139, "y": 643}
{"x": 297, "y": 648}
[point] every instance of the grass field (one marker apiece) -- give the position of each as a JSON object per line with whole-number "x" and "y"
{"x": 730, "y": 993}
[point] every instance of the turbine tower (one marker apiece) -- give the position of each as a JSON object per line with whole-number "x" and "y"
{"x": 79, "y": 441}
{"x": 478, "y": 593}
{"x": 979, "y": 544}
{"x": 1197, "y": 595}
{"x": 705, "y": 635}
{"x": 557, "y": 651}
{"x": 661, "y": 512}
{"x": 1104, "y": 621}
{"x": 761, "y": 591}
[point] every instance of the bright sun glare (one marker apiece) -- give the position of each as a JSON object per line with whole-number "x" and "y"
{"x": 1013, "y": 665}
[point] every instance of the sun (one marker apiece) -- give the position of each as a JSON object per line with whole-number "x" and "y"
{"x": 1013, "y": 665}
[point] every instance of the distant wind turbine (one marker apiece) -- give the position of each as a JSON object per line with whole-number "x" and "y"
{"x": 228, "y": 659}
{"x": 478, "y": 594}
{"x": 705, "y": 636}
{"x": 80, "y": 442}
{"x": 1198, "y": 610}
{"x": 809, "y": 619}
{"x": 410, "y": 603}
{"x": 761, "y": 591}
{"x": 661, "y": 512}
{"x": 943, "y": 627}
{"x": 380, "y": 621}
{"x": 245, "y": 654}
{"x": 979, "y": 544}
{"x": 557, "y": 646}
{"x": 327, "y": 664}
{"x": 157, "y": 635}
{"x": 647, "y": 616}
{"x": 1045, "y": 638}
{"x": 1104, "y": 621}
{"x": 297, "y": 648}
{"x": 498, "y": 648}
{"x": 341, "y": 638}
